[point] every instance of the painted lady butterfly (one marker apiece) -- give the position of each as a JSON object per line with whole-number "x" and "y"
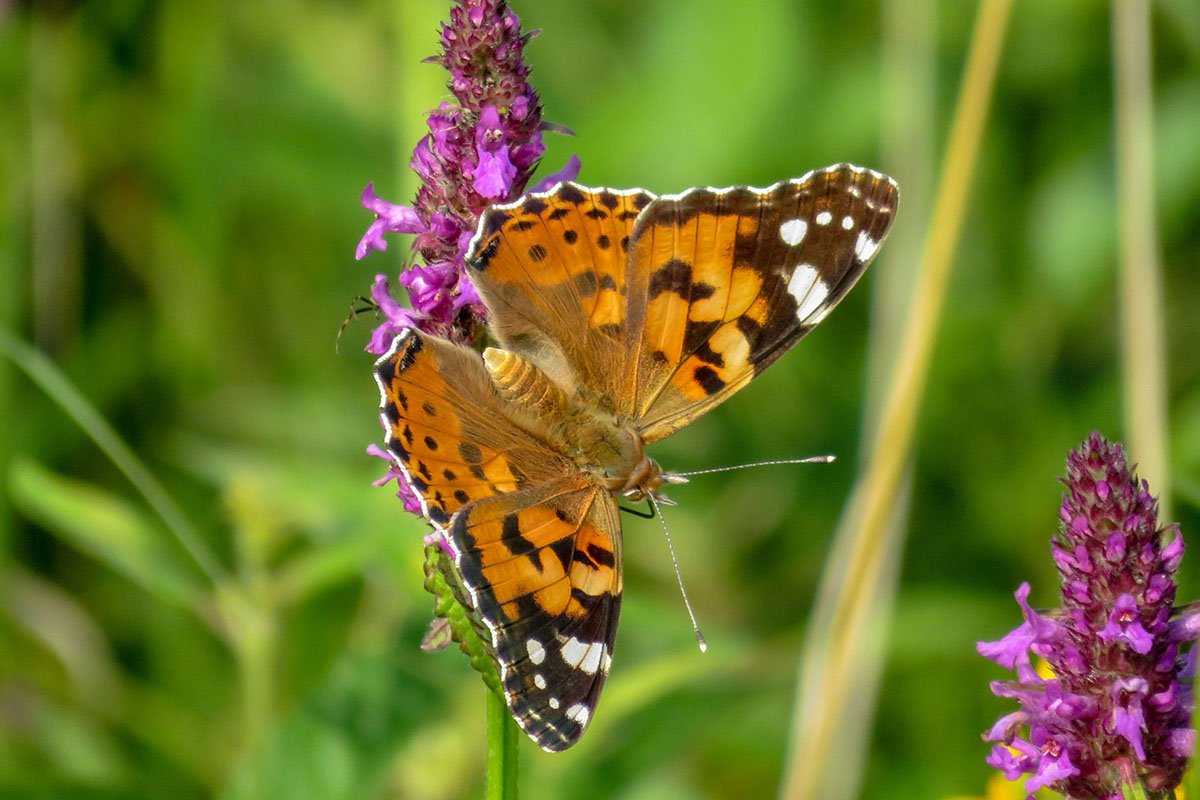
{"x": 619, "y": 319}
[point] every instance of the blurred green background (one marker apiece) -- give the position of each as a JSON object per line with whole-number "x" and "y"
{"x": 178, "y": 213}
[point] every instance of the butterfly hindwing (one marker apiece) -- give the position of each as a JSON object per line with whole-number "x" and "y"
{"x": 551, "y": 269}
{"x": 721, "y": 283}
{"x": 543, "y": 566}
{"x": 449, "y": 431}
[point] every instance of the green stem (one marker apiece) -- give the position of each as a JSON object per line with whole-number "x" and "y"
{"x": 1143, "y": 335}
{"x": 502, "y": 735}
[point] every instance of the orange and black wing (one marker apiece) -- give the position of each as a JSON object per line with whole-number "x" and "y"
{"x": 449, "y": 431}
{"x": 721, "y": 283}
{"x": 544, "y": 568}
{"x": 551, "y": 268}
{"x": 537, "y": 546}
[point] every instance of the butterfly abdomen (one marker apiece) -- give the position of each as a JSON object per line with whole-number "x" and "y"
{"x": 519, "y": 381}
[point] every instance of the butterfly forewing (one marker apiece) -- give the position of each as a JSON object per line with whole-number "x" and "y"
{"x": 543, "y": 566}
{"x": 723, "y": 282}
{"x": 551, "y": 269}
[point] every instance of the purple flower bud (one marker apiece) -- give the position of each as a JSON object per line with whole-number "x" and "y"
{"x": 1119, "y": 705}
{"x": 1114, "y": 549}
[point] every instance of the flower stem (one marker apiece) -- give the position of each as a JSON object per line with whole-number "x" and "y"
{"x": 502, "y": 738}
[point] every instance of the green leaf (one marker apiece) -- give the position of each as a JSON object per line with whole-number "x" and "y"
{"x": 105, "y": 526}
{"x": 302, "y": 759}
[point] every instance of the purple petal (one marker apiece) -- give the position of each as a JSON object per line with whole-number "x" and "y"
{"x": 466, "y": 294}
{"x": 1044, "y": 628}
{"x": 494, "y": 174}
{"x": 1172, "y": 554}
{"x": 397, "y": 317}
{"x": 526, "y": 155}
{"x": 568, "y": 173}
{"x": 1066, "y": 705}
{"x": 1128, "y": 720}
{"x": 404, "y": 492}
{"x": 1013, "y": 765}
{"x": 1005, "y": 728}
{"x": 389, "y": 219}
{"x": 1186, "y": 627}
{"x": 1055, "y": 762}
{"x": 1125, "y": 624}
{"x": 438, "y": 538}
{"x": 1013, "y": 646}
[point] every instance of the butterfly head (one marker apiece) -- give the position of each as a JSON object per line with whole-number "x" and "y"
{"x": 645, "y": 481}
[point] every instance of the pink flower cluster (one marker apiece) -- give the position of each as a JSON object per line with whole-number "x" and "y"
{"x": 481, "y": 149}
{"x": 1117, "y": 710}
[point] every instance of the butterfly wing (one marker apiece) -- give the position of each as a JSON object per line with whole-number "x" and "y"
{"x": 455, "y": 439}
{"x": 551, "y": 268}
{"x": 543, "y": 566}
{"x": 722, "y": 283}
{"x": 537, "y": 546}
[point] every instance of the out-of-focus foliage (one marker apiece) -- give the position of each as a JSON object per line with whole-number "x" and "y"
{"x": 178, "y": 214}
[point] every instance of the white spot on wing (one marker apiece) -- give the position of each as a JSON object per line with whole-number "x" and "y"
{"x": 539, "y": 680}
{"x": 865, "y": 247}
{"x": 808, "y": 289}
{"x": 579, "y": 712}
{"x": 792, "y": 232}
{"x": 584, "y": 655}
{"x": 553, "y": 702}
{"x": 824, "y": 218}
{"x": 847, "y": 222}
{"x": 537, "y": 653}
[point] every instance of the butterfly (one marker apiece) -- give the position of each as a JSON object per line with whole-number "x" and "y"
{"x": 619, "y": 318}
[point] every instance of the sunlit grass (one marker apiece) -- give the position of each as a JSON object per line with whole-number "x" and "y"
{"x": 838, "y": 636}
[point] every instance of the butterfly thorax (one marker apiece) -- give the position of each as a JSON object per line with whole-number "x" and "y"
{"x": 605, "y": 448}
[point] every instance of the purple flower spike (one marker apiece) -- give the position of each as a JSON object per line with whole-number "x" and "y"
{"x": 1119, "y": 705}
{"x": 482, "y": 148}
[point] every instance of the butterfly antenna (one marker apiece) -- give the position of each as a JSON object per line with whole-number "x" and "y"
{"x": 809, "y": 460}
{"x": 675, "y": 563}
{"x": 354, "y": 312}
